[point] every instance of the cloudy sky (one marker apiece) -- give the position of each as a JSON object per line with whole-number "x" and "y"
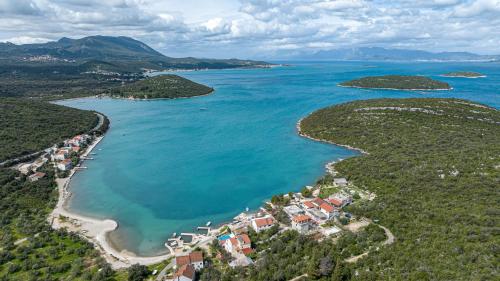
{"x": 261, "y": 28}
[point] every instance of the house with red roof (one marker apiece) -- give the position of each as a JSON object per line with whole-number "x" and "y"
{"x": 194, "y": 259}
{"x": 308, "y": 205}
{"x": 302, "y": 223}
{"x": 328, "y": 210}
{"x": 185, "y": 273}
{"x": 36, "y": 176}
{"x": 261, "y": 224}
{"x": 238, "y": 244}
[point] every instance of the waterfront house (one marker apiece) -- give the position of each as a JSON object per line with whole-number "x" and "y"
{"x": 61, "y": 154}
{"x": 340, "y": 182}
{"x": 185, "y": 273}
{"x": 194, "y": 259}
{"x": 36, "y": 176}
{"x": 302, "y": 223}
{"x": 64, "y": 165}
{"x": 238, "y": 244}
{"x": 260, "y": 224}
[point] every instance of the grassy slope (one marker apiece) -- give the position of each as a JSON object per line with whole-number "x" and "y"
{"x": 446, "y": 228}
{"x": 30, "y": 126}
{"x": 162, "y": 86}
{"x": 397, "y": 82}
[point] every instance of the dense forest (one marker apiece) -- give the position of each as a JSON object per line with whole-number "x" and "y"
{"x": 399, "y": 82}
{"x": 433, "y": 164}
{"x": 161, "y": 86}
{"x": 29, "y": 126}
{"x": 46, "y": 254}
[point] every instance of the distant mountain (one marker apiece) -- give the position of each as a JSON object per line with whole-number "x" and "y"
{"x": 107, "y": 53}
{"x": 377, "y": 53}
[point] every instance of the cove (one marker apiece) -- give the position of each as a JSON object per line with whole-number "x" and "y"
{"x": 170, "y": 165}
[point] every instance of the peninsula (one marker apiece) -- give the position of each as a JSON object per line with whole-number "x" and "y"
{"x": 464, "y": 74}
{"x": 425, "y": 157}
{"x": 397, "y": 82}
{"x": 167, "y": 86}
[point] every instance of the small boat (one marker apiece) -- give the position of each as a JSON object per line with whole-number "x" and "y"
{"x": 174, "y": 234}
{"x": 247, "y": 209}
{"x": 203, "y": 108}
{"x": 209, "y": 223}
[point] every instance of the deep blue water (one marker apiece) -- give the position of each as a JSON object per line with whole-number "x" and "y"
{"x": 169, "y": 165}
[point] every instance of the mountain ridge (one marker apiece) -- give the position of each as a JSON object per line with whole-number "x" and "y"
{"x": 123, "y": 53}
{"x": 383, "y": 54}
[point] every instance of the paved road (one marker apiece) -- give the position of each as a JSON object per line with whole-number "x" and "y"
{"x": 163, "y": 272}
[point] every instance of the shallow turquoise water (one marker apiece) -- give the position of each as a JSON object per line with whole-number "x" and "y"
{"x": 170, "y": 165}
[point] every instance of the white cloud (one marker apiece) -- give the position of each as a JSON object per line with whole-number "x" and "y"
{"x": 249, "y": 28}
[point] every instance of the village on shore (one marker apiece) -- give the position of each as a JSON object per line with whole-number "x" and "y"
{"x": 317, "y": 211}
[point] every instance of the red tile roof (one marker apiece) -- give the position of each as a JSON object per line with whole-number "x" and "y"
{"x": 245, "y": 238}
{"x": 264, "y": 222}
{"x": 196, "y": 256}
{"x": 318, "y": 201}
{"x": 189, "y": 259}
{"x": 301, "y": 218}
{"x": 186, "y": 271}
{"x": 182, "y": 260}
{"x": 336, "y": 202}
{"x": 327, "y": 207}
{"x": 247, "y": 251}
{"x": 309, "y": 204}
{"x": 233, "y": 241}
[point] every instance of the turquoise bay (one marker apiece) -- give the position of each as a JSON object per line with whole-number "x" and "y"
{"x": 169, "y": 165}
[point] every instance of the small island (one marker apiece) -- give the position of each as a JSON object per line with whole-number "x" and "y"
{"x": 464, "y": 74}
{"x": 168, "y": 86}
{"x": 397, "y": 82}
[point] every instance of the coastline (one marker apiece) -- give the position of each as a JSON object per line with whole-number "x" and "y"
{"x": 152, "y": 99}
{"x": 463, "y": 76}
{"x": 94, "y": 230}
{"x": 302, "y": 134}
{"x": 394, "y": 89}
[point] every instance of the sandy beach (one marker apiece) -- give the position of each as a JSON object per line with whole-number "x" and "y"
{"x": 92, "y": 229}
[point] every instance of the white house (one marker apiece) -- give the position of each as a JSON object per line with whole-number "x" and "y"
{"x": 302, "y": 223}
{"x": 260, "y": 224}
{"x": 64, "y": 165}
{"x": 238, "y": 244}
{"x": 328, "y": 210}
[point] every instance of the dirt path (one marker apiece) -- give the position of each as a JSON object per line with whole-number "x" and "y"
{"x": 390, "y": 239}
{"x": 299, "y": 277}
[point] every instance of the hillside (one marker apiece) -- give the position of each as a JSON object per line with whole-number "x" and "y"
{"x": 433, "y": 164}
{"x": 106, "y": 53}
{"x": 161, "y": 86}
{"x": 397, "y": 82}
{"x": 31, "y": 126}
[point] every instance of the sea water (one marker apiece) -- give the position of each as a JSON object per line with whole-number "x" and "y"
{"x": 168, "y": 166}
